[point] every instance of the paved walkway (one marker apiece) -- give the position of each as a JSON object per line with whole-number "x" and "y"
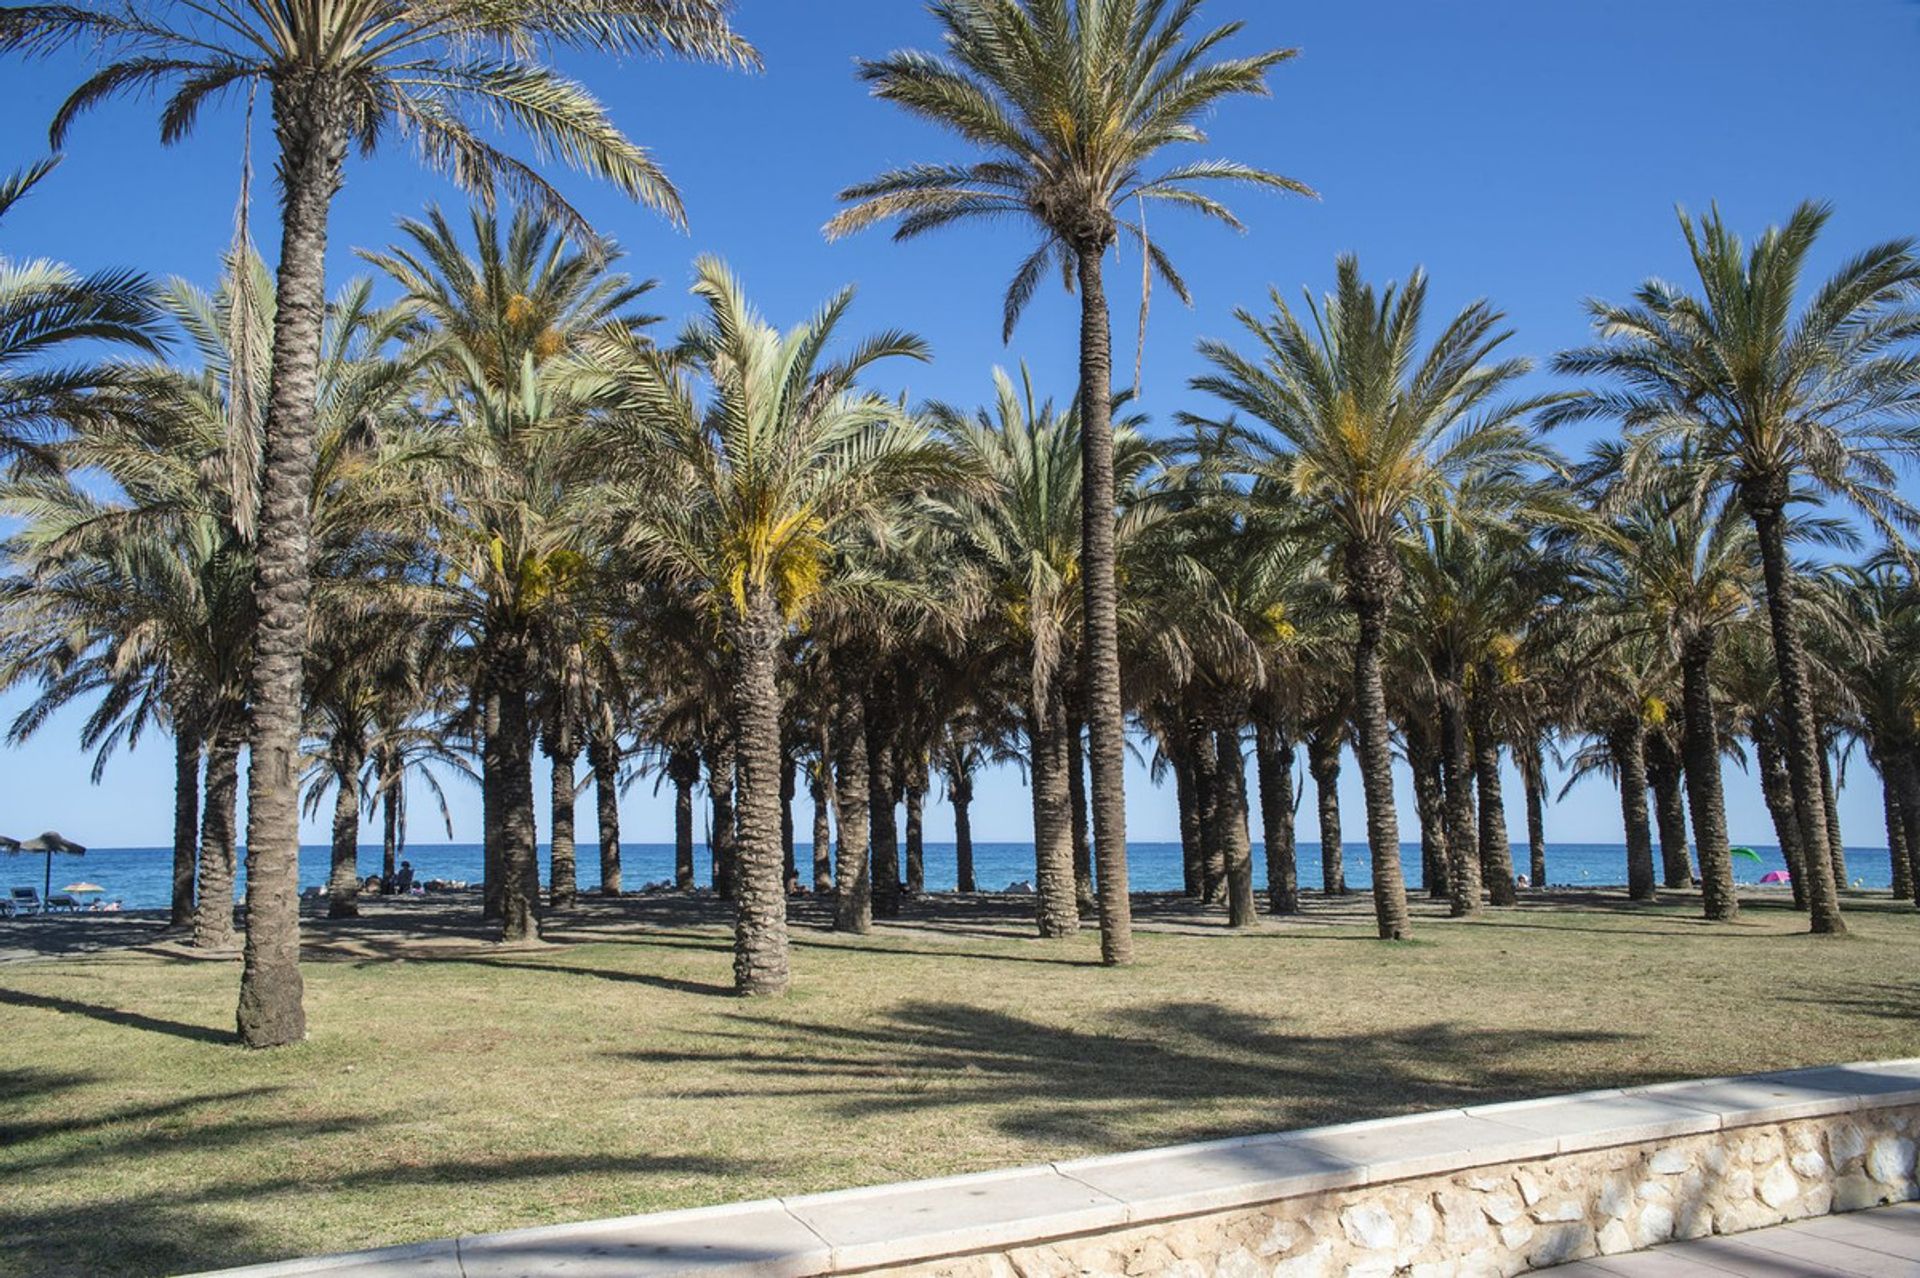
{"x": 1882, "y": 1243}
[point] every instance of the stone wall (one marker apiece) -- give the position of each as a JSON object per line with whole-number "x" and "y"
{"x": 1508, "y": 1218}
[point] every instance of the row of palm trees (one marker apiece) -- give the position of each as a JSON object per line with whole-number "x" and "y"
{"x": 499, "y": 517}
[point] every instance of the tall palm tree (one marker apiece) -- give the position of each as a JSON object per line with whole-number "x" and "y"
{"x": 1021, "y": 535}
{"x": 46, "y": 308}
{"x": 1359, "y": 421}
{"x": 1772, "y": 392}
{"x": 504, "y": 328}
{"x": 739, "y": 496}
{"x": 341, "y": 73}
{"x": 144, "y": 596}
{"x": 1072, "y": 102}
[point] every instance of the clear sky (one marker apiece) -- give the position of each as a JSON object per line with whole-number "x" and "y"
{"x": 1529, "y": 152}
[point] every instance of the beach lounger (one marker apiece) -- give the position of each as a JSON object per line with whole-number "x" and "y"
{"x": 64, "y": 901}
{"x": 26, "y": 900}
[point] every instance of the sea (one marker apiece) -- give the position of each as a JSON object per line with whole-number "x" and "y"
{"x": 140, "y": 878}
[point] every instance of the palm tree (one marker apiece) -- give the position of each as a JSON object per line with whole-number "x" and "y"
{"x": 145, "y": 596}
{"x": 1072, "y": 101}
{"x": 504, "y": 329}
{"x": 46, "y": 307}
{"x": 1883, "y": 609}
{"x": 1683, "y": 570}
{"x": 739, "y": 497}
{"x": 1771, "y": 396}
{"x": 1380, "y": 436}
{"x": 341, "y": 73}
{"x": 1020, "y": 535}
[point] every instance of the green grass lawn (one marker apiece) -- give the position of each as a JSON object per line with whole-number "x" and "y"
{"x": 452, "y": 1087}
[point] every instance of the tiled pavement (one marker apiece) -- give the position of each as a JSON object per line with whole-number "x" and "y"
{"x": 1882, "y": 1243}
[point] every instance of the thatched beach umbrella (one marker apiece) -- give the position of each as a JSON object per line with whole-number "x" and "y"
{"x": 47, "y": 843}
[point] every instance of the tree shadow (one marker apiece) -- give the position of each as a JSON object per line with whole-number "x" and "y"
{"x": 1161, "y": 1068}
{"x": 117, "y": 1016}
{"x": 652, "y": 980}
{"x": 14, "y": 1134}
{"x": 193, "y": 1227}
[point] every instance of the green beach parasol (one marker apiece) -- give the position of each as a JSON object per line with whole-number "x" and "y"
{"x": 1748, "y": 853}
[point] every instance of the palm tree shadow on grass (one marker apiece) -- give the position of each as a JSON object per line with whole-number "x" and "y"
{"x": 1162, "y": 1069}
{"x": 117, "y": 1016}
{"x": 192, "y": 1226}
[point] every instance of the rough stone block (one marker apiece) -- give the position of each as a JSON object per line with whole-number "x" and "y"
{"x": 1779, "y": 1186}
{"x": 1669, "y": 1161}
{"x": 1890, "y": 1160}
{"x": 1654, "y": 1226}
{"x": 1556, "y": 1210}
{"x": 1316, "y": 1263}
{"x": 1845, "y": 1143}
{"x": 1560, "y": 1243}
{"x": 1502, "y": 1208}
{"x": 1856, "y": 1191}
{"x": 1370, "y": 1226}
{"x": 1808, "y": 1163}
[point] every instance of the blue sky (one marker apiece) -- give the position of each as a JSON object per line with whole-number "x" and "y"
{"x": 1529, "y": 152}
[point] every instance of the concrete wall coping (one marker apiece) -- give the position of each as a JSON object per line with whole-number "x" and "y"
{"x": 854, "y": 1229}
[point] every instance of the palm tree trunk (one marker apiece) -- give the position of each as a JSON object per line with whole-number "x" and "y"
{"x": 1273, "y": 755}
{"x": 1430, "y": 803}
{"x": 1100, "y": 656}
{"x": 760, "y": 965}
{"x": 213, "y": 919}
{"x": 1203, "y": 755}
{"x": 310, "y": 118}
{"x": 563, "y": 876}
{"x": 1056, "y": 903}
{"x": 1496, "y": 857}
{"x": 391, "y": 780}
{"x": 1241, "y": 911}
{"x": 883, "y": 800}
{"x": 723, "y": 839}
{"x": 1700, "y": 756}
{"x": 1669, "y": 810}
{"x": 1186, "y": 796}
{"x": 1535, "y": 781}
{"x": 1802, "y": 747}
{"x": 493, "y": 773}
{"x": 822, "y": 829}
{"x": 603, "y": 752}
{"x": 343, "y": 883}
{"x": 1323, "y": 761}
{"x": 519, "y": 836}
{"x": 683, "y": 769}
{"x": 1371, "y": 583}
{"x": 1899, "y": 855}
{"x": 960, "y": 789}
{"x": 1077, "y": 814}
{"x": 916, "y": 827}
{"x": 789, "y": 869}
{"x": 1777, "y": 789}
{"x": 1830, "y": 808}
{"x": 1463, "y": 848}
{"x": 1629, "y": 744}
{"x": 1906, "y": 776}
{"x": 853, "y": 872}
{"x": 186, "y": 822}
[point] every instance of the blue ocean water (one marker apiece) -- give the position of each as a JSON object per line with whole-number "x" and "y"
{"x": 140, "y": 878}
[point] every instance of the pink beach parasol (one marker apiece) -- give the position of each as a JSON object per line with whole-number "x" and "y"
{"x": 1776, "y": 876}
